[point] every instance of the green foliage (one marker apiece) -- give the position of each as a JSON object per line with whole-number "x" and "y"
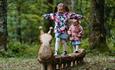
{"x": 16, "y": 49}
{"x": 30, "y": 16}
{"x": 110, "y": 26}
{"x": 85, "y": 44}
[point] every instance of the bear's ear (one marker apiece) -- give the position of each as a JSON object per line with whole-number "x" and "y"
{"x": 50, "y": 29}
{"x": 41, "y": 30}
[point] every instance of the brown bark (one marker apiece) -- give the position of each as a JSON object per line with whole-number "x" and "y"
{"x": 18, "y": 28}
{"x": 63, "y": 62}
{"x": 3, "y": 24}
{"x": 97, "y": 37}
{"x": 48, "y": 23}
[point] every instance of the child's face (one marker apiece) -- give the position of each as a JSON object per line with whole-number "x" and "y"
{"x": 60, "y": 8}
{"x": 75, "y": 22}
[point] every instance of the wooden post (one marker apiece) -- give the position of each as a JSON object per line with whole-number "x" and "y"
{"x": 73, "y": 63}
{"x": 50, "y": 66}
{"x": 43, "y": 66}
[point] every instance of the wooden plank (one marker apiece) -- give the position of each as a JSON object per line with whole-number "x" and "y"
{"x": 69, "y": 57}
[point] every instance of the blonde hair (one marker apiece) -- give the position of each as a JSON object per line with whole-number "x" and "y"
{"x": 61, "y": 4}
{"x": 72, "y": 21}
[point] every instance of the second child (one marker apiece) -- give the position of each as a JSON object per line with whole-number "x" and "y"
{"x": 75, "y": 32}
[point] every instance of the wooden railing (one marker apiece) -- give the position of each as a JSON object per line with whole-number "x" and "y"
{"x": 63, "y": 62}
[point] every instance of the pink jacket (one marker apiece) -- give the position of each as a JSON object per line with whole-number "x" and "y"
{"x": 75, "y": 32}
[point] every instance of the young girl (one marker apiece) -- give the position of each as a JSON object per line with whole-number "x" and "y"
{"x": 75, "y": 31}
{"x": 60, "y": 16}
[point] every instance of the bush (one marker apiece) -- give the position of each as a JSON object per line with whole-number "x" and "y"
{"x": 16, "y": 49}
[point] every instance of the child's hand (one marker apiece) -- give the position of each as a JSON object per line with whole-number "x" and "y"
{"x": 46, "y": 16}
{"x": 51, "y": 28}
{"x": 79, "y": 35}
{"x": 69, "y": 32}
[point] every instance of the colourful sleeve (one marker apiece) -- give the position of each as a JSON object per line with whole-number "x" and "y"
{"x": 75, "y": 16}
{"x": 49, "y": 16}
{"x": 81, "y": 32}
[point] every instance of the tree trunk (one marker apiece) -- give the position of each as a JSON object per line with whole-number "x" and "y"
{"x": 3, "y": 24}
{"x": 68, "y": 3}
{"x": 73, "y": 5}
{"x": 18, "y": 28}
{"x": 49, "y": 23}
{"x": 97, "y": 39}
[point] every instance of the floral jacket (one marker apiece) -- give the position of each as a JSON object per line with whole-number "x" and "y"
{"x": 60, "y": 20}
{"x": 75, "y": 32}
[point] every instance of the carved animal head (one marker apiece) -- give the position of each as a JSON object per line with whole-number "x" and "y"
{"x": 45, "y": 38}
{"x": 45, "y": 52}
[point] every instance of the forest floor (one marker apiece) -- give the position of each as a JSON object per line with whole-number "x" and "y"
{"x": 91, "y": 62}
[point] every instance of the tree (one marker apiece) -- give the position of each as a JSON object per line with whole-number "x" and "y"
{"x": 49, "y": 23}
{"x": 97, "y": 39}
{"x": 18, "y": 29}
{"x": 3, "y": 24}
{"x": 67, "y": 3}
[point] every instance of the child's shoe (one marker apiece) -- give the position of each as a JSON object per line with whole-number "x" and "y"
{"x": 55, "y": 53}
{"x": 75, "y": 51}
{"x": 64, "y": 53}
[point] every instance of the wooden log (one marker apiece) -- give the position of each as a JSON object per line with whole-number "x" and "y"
{"x": 50, "y": 66}
{"x": 62, "y": 59}
{"x": 63, "y": 62}
{"x": 43, "y": 66}
{"x": 63, "y": 65}
{"x": 73, "y": 63}
{"x": 68, "y": 64}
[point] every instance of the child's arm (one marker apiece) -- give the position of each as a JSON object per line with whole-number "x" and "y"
{"x": 49, "y": 16}
{"x": 75, "y": 16}
{"x": 81, "y": 32}
{"x": 69, "y": 31}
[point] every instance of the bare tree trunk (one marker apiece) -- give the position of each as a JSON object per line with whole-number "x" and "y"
{"x": 67, "y": 3}
{"x": 50, "y": 1}
{"x": 97, "y": 39}
{"x": 50, "y": 10}
{"x": 73, "y": 5}
{"x": 70, "y": 4}
{"x": 18, "y": 28}
{"x": 3, "y": 24}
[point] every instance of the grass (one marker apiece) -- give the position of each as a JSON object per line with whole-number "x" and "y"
{"x": 19, "y": 64}
{"x": 24, "y": 57}
{"x": 92, "y": 62}
{"x": 97, "y": 62}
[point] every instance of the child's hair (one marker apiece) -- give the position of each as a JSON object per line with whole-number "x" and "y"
{"x": 72, "y": 21}
{"x": 65, "y": 7}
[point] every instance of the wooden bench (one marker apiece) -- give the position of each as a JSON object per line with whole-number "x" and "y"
{"x": 63, "y": 62}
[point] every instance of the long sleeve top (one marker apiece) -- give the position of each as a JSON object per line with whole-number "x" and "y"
{"x": 60, "y": 20}
{"x": 75, "y": 32}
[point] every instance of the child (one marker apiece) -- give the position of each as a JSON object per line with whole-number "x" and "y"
{"x": 75, "y": 31}
{"x": 60, "y": 16}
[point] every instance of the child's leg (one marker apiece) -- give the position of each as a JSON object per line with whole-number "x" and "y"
{"x": 74, "y": 48}
{"x": 64, "y": 46}
{"x": 77, "y": 45}
{"x": 77, "y": 48}
{"x": 56, "y": 45}
{"x": 74, "y": 45}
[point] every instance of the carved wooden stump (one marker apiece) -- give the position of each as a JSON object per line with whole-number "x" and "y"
{"x": 63, "y": 62}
